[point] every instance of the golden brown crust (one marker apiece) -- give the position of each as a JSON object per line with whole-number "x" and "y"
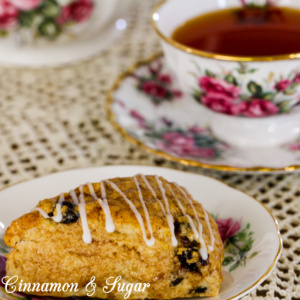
{"x": 45, "y": 251}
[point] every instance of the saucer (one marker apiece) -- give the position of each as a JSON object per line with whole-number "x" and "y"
{"x": 250, "y": 232}
{"x": 148, "y": 108}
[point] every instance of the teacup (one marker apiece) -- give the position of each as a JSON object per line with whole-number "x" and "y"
{"x": 53, "y": 32}
{"x": 29, "y": 20}
{"x": 261, "y": 108}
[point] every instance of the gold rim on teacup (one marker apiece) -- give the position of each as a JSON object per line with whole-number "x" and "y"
{"x": 252, "y": 116}
{"x": 206, "y": 54}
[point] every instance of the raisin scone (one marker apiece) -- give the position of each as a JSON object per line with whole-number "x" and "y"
{"x": 142, "y": 228}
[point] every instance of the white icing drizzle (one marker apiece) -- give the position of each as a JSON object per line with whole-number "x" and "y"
{"x": 61, "y": 198}
{"x": 135, "y": 211}
{"x": 203, "y": 250}
{"x": 153, "y": 193}
{"x": 109, "y": 223}
{"x": 42, "y": 212}
{"x": 58, "y": 218}
{"x": 151, "y": 241}
{"x": 74, "y": 197}
{"x": 212, "y": 237}
{"x": 86, "y": 236}
{"x": 174, "y": 240}
{"x": 110, "y": 226}
{"x": 196, "y": 233}
{"x": 170, "y": 218}
{"x": 103, "y": 191}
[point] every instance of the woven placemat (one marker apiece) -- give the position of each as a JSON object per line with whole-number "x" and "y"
{"x": 55, "y": 119}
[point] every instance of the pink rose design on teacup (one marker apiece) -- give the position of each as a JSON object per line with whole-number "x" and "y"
{"x": 223, "y": 104}
{"x": 216, "y": 85}
{"x": 282, "y": 85}
{"x": 260, "y": 108}
{"x": 297, "y": 78}
{"x": 81, "y": 10}
{"x": 26, "y": 4}
{"x": 40, "y": 18}
{"x": 78, "y": 12}
{"x": 223, "y": 93}
{"x": 221, "y": 96}
{"x": 8, "y": 15}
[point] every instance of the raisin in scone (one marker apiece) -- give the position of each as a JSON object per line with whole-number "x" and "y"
{"x": 143, "y": 228}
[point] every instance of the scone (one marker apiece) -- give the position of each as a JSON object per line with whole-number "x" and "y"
{"x": 143, "y": 229}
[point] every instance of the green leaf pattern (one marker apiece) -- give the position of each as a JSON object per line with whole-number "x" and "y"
{"x": 238, "y": 247}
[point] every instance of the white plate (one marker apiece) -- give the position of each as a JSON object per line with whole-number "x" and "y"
{"x": 217, "y": 198}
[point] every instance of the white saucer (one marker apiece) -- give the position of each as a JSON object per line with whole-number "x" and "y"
{"x": 147, "y": 107}
{"x": 219, "y": 199}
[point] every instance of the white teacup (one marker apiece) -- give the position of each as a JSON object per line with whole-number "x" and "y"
{"x": 270, "y": 114}
{"x": 49, "y": 33}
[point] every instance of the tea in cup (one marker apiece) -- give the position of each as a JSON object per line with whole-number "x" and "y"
{"x": 240, "y": 60}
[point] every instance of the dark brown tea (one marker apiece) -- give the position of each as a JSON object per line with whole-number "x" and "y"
{"x": 249, "y": 31}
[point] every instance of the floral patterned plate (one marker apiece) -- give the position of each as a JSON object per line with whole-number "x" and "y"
{"x": 148, "y": 108}
{"x": 248, "y": 229}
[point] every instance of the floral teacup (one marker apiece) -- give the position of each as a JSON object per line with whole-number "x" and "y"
{"x": 39, "y": 33}
{"x": 47, "y": 19}
{"x": 254, "y": 101}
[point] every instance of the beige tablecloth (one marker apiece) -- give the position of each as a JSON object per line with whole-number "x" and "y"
{"x": 55, "y": 119}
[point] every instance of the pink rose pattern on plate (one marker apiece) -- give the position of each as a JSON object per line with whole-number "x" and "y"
{"x": 42, "y": 18}
{"x": 223, "y": 93}
{"x": 228, "y": 228}
{"x": 238, "y": 242}
{"x": 157, "y": 85}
